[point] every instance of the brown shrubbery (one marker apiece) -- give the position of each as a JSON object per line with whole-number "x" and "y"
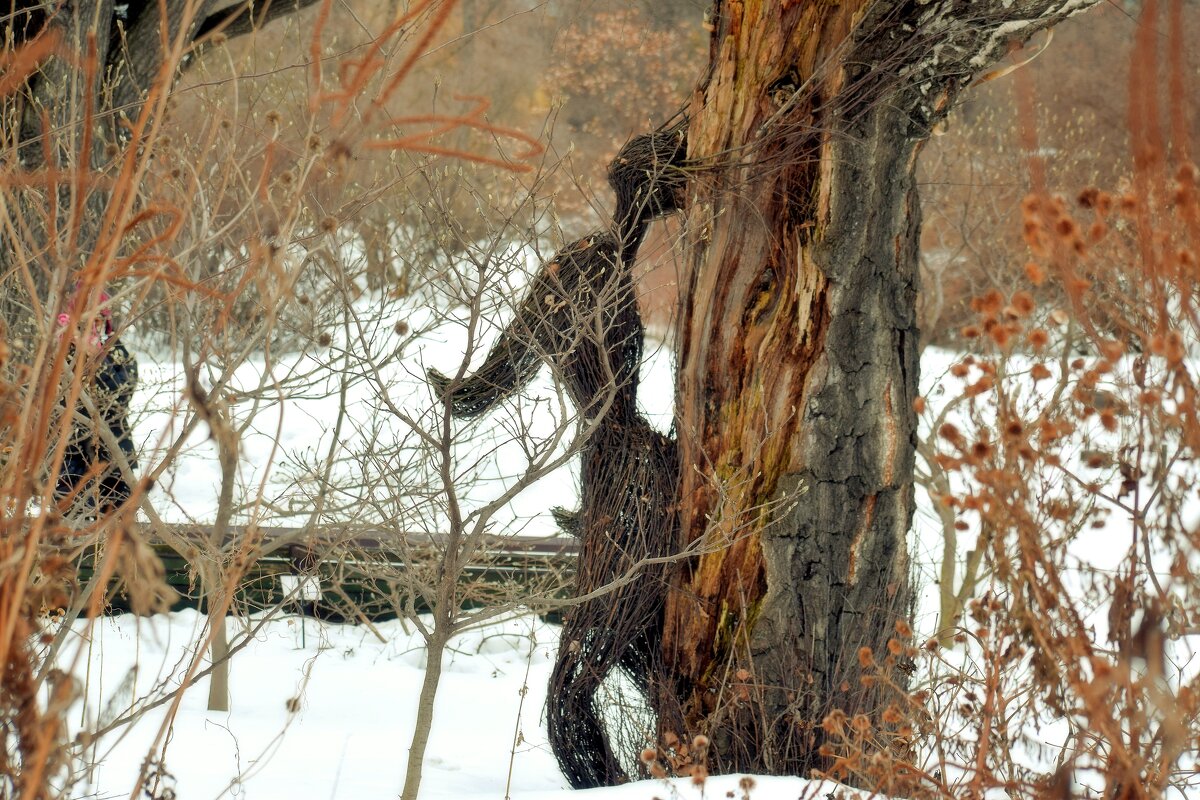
{"x": 208, "y": 225}
{"x": 1064, "y": 443}
{"x": 972, "y": 177}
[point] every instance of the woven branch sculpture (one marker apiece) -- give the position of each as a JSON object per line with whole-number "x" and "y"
{"x": 580, "y": 315}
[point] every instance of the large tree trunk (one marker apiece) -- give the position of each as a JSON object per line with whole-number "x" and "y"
{"x": 798, "y": 356}
{"x": 803, "y": 259}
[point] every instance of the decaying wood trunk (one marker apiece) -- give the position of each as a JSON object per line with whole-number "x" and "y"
{"x": 798, "y": 355}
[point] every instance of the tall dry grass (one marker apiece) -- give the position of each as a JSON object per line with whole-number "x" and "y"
{"x": 139, "y": 209}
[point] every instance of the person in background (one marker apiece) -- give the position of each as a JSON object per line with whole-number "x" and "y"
{"x": 110, "y": 379}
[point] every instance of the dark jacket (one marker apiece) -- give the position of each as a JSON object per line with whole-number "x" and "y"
{"x": 111, "y": 390}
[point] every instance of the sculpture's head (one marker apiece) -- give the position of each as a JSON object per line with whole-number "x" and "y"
{"x": 649, "y": 175}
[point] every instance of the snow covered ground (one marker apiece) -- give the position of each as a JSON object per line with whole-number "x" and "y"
{"x": 288, "y": 432}
{"x": 322, "y": 710}
{"x": 325, "y": 711}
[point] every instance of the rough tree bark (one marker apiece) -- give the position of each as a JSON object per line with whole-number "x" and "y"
{"x": 798, "y": 352}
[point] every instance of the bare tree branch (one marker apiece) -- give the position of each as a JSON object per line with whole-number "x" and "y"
{"x": 246, "y": 17}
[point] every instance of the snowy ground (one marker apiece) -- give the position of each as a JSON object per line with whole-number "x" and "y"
{"x": 326, "y": 711}
{"x": 286, "y": 435}
{"x": 323, "y": 710}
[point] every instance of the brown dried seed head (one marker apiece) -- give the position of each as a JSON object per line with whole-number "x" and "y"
{"x": 1175, "y": 347}
{"x": 990, "y": 303}
{"x": 865, "y": 657}
{"x": 1035, "y": 273}
{"x": 981, "y": 386}
{"x": 834, "y": 723}
{"x": 1023, "y": 303}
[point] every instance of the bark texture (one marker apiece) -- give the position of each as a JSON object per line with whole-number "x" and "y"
{"x": 798, "y": 354}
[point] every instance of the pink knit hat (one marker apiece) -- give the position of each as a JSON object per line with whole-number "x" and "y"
{"x": 97, "y": 335}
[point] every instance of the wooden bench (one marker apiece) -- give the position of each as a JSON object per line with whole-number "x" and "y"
{"x": 358, "y": 572}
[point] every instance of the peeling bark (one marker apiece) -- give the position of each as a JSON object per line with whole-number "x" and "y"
{"x": 798, "y": 353}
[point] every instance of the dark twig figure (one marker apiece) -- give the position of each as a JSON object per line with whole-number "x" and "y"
{"x": 580, "y": 314}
